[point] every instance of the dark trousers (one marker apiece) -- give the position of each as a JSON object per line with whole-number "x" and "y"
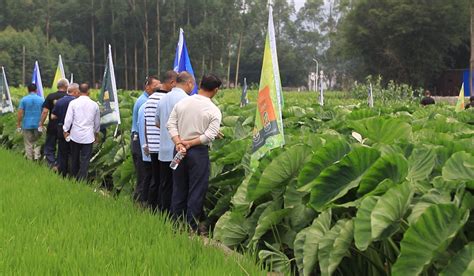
{"x": 141, "y": 189}
{"x": 190, "y": 183}
{"x": 166, "y": 185}
{"x": 81, "y": 156}
{"x": 154, "y": 197}
{"x": 137, "y": 158}
{"x": 50, "y": 149}
{"x": 64, "y": 153}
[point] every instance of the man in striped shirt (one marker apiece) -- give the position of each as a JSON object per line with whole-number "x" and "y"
{"x": 152, "y": 136}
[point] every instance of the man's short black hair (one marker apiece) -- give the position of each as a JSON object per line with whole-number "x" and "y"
{"x": 169, "y": 76}
{"x": 210, "y": 82}
{"x": 149, "y": 80}
{"x": 471, "y": 99}
{"x": 32, "y": 87}
{"x": 84, "y": 88}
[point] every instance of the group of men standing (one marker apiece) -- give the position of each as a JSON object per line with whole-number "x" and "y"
{"x": 73, "y": 127}
{"x": 167, "y": 120}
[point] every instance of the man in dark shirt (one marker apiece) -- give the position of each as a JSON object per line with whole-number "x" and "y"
{"x": 58, "y": 114}
{"x": 52, "y": 130}
{"x": 427, "y": 100}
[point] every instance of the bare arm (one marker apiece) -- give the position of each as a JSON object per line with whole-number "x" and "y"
{"x": 44, "y": 114}
{"x": 20, "y": 118}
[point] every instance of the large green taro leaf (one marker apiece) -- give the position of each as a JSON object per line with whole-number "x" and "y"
{"x": 334, "y": 245}
{"x": 279, "y": 172}
{"x": 462, "y": 264}
{"x": 429, "y": 236}
{"x": 421, "y": 163}
{"x": 307, "y": 242}
{"x": 230, "y": 229}
{"x": 460, "y": 166}
{"x": 331, "y": 152}
{"x": 390, "y": 210}
{"x": 335, "y": 181}
{"x": 393, "y": 166}
{"x": 362, "y": 224}
{"x": 383, "y": 130}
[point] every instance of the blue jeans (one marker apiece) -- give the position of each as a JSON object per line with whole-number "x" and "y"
{"x": 190, "y": 183}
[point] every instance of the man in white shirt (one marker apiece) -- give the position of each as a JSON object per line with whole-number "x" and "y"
{"x": 81, "y": 127}
{"x": 193, "y": 124}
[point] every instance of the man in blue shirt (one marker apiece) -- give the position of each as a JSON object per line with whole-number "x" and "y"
{"x": 184, "y": 86}
{"x": 140, "y": 194}
{"x": 58, "y": 114}
{"x": 151, "y": 84}
{"x": 29, "y": 115}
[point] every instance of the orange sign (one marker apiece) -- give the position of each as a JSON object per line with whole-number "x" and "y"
{"x": 265, "y": 108}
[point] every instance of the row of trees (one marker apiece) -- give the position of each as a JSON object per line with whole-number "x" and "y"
{"x": 409, "y": 41}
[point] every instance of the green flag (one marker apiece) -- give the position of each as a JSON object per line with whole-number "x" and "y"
{"x": 6, "y": 105}
{"x": 268, "y": 130}
{"x": 108, "y": 99}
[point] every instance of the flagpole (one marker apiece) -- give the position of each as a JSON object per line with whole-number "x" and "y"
{"x": 321, "y": 92}
{"x": 371, "y": 96}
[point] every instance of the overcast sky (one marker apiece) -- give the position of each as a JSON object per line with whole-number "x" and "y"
{"x": 299, "y": 4}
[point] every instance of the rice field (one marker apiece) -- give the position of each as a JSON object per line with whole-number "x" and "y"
{"x": 49, "y": 225}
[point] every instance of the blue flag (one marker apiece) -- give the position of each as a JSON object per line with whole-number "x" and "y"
{"x": 36, "y": 79}
{"x": 182, "y": 62}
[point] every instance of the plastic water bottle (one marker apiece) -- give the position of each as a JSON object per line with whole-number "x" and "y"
{"x": 176, "y": 160}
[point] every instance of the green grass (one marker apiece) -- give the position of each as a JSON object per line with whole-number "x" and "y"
{"x": 53, "y": 226}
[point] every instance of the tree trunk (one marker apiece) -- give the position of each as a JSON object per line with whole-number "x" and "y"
{"x": 105, "y": 51}
{"x": 228, "y": 57}
{"x": 136, "y": 65}
{"x": 238, "y": 59}
{"x": 23, "y": 72}
{"x": 93, "y": 43}
{"x": 158, "y": 40}
{"x": 228, "y": 68}
{"x": 125, "y": 61}
{"x": 174, "y": 19}
{"x": 203, "y": 70}
{"x": 145, "y": 37}
{"x": 47, "y": 22}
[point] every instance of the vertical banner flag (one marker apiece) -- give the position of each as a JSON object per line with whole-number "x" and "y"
{"x": 460, "y": 102}
{"x": 244, "y": 100}
{"x": 268, "y": 130}
{"x": 36, "y": 79}
{"x": 371, "y": 96}
{"x": 72, "y": 78}
{"x": 6, "y": 105}
{"x": 321, "y": 91}
{"x": 59, "y": 73}
{"x": 182, "y": 62}
{"x": 108, "y": 99}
